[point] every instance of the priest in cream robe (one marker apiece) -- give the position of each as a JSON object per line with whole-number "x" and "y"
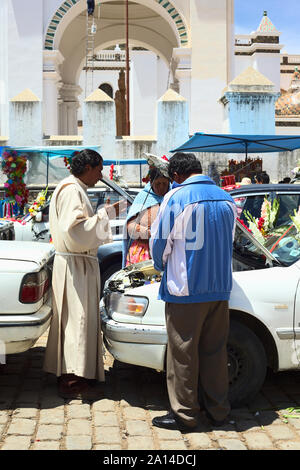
{"x": 74, "y": 350}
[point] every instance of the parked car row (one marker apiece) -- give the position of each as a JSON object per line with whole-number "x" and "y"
{"x": 264, "y": 309}
{"x": 264, "y": 304}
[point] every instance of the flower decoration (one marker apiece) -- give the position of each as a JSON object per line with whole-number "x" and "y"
{"x": 14, "y": 166}
{"x": 296, "y": 171}
{"x": 68, "y": 159}
{"x": 244, "y": 225}
{"x": 161, "y": 163}
{"x": 39, "y": 203}
{"x": 296, "y": 222}
{"x": 263, "y": 226}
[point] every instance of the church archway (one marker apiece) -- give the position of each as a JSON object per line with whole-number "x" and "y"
{"x": 107, "y": 88}
{"x": 69, "y": 9}
{"x": 153, "y": 24}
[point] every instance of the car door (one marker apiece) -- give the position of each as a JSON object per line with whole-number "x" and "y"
{"x": 296, "y": 326}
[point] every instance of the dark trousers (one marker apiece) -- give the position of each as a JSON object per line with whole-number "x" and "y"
{"x": 197, "y": 356}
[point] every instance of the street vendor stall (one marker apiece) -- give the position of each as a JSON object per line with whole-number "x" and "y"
{"x": 240, "y": 144}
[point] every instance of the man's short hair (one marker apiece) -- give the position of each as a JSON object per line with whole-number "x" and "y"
{"x": 83, "y": 158}
{"x": 263, "y": 178}
{"x": 184, "y": 164}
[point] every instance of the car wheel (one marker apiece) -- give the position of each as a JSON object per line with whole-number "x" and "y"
{"x": 109, "y": 272}
{"x": 247, "y": 364}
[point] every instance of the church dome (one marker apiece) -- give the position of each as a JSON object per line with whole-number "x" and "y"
{"x": 288, "y": 104}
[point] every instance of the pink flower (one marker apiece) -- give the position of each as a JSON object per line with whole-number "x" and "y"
{"x": 264, "y": 206}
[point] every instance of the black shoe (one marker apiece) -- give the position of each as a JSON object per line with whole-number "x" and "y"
{"x": 217, "y": 423}
{"x": 170, "y": 421}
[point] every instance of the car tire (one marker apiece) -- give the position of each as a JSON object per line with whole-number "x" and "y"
{"x": 108, "y": 272}
{"x": 247, "y": 364}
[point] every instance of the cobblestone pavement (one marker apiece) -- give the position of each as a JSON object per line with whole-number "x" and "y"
{"x": 32, "y": 416}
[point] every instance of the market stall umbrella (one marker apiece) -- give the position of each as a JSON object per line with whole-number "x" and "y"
{"x": 238, "y": 143}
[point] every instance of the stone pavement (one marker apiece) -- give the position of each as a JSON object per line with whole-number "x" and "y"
{"x": 32, "y": 416}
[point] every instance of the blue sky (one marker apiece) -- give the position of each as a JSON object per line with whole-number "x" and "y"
{"x": 284, "y": 14}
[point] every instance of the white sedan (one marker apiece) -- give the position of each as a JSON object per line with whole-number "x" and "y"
{"x": 264, "y": 310}
{"x": 25, "y": 298}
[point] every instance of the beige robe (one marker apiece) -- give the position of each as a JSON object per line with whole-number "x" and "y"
{"x": 74, "y": 342}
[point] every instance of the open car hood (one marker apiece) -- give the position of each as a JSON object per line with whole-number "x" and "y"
{"x": 248, "y": 253}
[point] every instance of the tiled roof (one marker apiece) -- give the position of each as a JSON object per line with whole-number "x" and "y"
{"x": 288, "y": 105}
{"x": 251, "y": 77}
{"x": 266, "y": 25}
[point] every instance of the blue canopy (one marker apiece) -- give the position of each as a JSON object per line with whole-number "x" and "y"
{"x": 230, "y": 143}
{"x": 53, "y": 152}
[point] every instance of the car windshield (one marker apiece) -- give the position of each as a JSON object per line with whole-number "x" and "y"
{"x": 282, "y": 245}
{"x": 285, "y": 244}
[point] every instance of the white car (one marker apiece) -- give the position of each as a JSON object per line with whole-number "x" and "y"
{"x": 25, "y": 298}
{"x": 264, "y": 311}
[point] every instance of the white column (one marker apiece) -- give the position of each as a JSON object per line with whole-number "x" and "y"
{"x": 51, "y": 79}
{"x": 25, "y": 120}
{"x": 68, "y": 108}
{"x": 212, "y": 55}
{"x": 4, "y": 128}
{"x": 172, "y": 122}
{"x": 183, "y": 56}
{"x": 99, "y": 123}
{"x": 183, "y": 73}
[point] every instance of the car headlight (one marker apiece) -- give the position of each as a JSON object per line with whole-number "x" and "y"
{"x": 126, "y": 304}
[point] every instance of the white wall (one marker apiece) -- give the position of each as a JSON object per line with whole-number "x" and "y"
{"x": 269, "y": 65}
{"x": 162, "y": 77}
{"x": 25, "y": 49}
{"x": 100, "y": 76}
{"x": 143, "y": 92}
{"x": 211, "y": 61}
{"x": 4, "y": 127}
{"x": 241, "y": 63}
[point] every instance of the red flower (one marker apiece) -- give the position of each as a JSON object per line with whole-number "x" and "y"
{"x": 260, "y": 224}
{"x": 244, "y": 225}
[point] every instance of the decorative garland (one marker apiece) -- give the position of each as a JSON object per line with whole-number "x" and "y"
{"x": 296, "y": 171}
{"x": 14, "y": 166}
{"x": 68, "y": 160}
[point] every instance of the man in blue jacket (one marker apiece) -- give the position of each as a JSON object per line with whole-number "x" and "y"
{"x": 191, "y": 241}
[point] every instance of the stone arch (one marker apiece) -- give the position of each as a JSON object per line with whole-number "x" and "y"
{"x": 107, "y": 88}
{"x": 175, "y": 19}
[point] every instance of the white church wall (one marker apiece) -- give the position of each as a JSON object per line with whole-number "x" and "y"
{"x": 183, "y": 6}
{"x": 100, "y": 77}
{"x": 4, "y": 109}
{"x": 241, "y": 63}
{"x": 162, "y": 77}
{"x": 25, "y": 54}
{"x": 143, "y": 92}
{"x": 211, "y": 62}
{"x": 269, "y": 65}
{"x": 49, "y": 8}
